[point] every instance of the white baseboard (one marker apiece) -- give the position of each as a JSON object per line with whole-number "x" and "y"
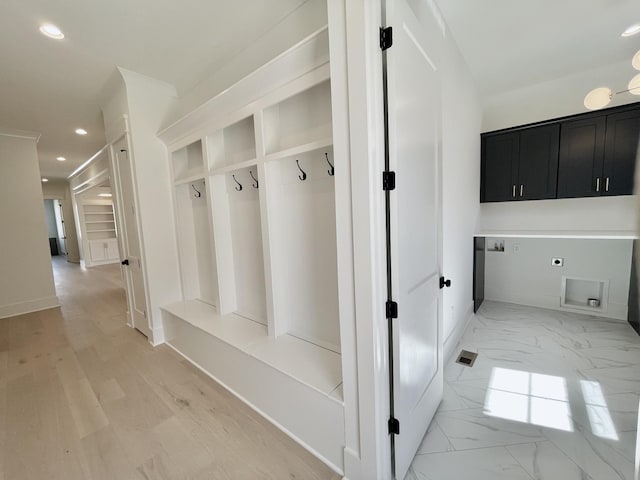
{"x": 455, "y": 336}
{"x": 157, "y": 335}
{"x": 21, "y": 308}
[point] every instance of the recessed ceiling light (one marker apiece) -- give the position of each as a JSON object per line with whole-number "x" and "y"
{"x": 60, "y": 159}
{"x": 105, "y": 195}
{"x": 636, "y": 60}
{"x": 598, "y": 98}
{"x": 45, "y": 179}
{"x": 81, "y": 131}
{"x": 51, "y": 31}
{"x": 631, "y": 30}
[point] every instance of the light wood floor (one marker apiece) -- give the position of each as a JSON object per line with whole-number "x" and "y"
{"x": 83, "y": 396}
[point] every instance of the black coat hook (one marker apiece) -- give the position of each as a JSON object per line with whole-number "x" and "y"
{"x": 197, "y": 194}
{"x": 331, "y": 170}
{"x": 254, "y": 179}
{"x": 239, "y": 187}
{"x": 302, "y": 177}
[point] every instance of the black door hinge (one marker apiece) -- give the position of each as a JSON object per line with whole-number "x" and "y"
{"x": 391, "y": 309}
{"x": 386, "y": 37}
{"x": 444, "y": 283}
{"x": 388, "y": 181}
{"x": 394, "y": 426}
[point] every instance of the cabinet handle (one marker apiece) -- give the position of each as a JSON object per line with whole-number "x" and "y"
{"x": 606, "y": 185}
{"x": 598, "y": 184}
{"x": 514, "y": 192}
{"x": 521, "y": 189}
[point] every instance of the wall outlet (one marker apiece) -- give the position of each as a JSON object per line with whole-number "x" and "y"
{"x": 515, "y": 248}
{"x": 557, "y": 262}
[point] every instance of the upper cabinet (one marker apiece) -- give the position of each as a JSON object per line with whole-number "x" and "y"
{"x": 520, "y": 165}
{"x": 586, "y": 155}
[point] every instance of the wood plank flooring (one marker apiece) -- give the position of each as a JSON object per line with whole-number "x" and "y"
{"x": 83, "y": 396}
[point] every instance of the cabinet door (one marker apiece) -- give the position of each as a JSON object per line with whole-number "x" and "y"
{"x": 499, "y": 167}
{"x": 620, "y": 150}
{"x": 112, "y": 249}
{"x": 98, "y": 249}
{"x": 581, "y": 157}
{"x": 538, "y": 163}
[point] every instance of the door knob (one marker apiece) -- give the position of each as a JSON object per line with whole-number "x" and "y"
{"x": 126, "y": 262}
{"x": 444, "y": 283}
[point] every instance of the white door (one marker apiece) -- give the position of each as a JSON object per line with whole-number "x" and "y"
{"x": 414, "y": 146}
{"x": 130, "y": 239}
{"x": 62, "y": 236}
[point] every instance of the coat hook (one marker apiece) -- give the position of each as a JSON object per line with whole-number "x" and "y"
{"x": 304, "y": 175}
{"x": 254, "y": 179}
{"x": 331, "y": 170}
{"x": 239, "y": 187}
{"x": 197, "y": 194}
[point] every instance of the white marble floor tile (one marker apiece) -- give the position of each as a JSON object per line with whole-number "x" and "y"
{"x": 435, "y": 441}
{"x": 559, "y": 391}
{"x": 480, "y": 464}
{"x": 467, "y": 429}
{"x": 544, "y": 461}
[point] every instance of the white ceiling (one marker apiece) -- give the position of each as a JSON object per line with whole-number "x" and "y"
{"x": 52, "y": 87}
{"x": 509, "y": 44}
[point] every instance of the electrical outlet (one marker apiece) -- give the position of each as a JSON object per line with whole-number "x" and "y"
{"x": 557, "y": 262}
{"x": 515, "y": 248}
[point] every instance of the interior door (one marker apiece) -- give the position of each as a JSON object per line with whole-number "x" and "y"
{"x": 62, "y": 234}
{"x": 414, "y": 234}
{"x": 130, "y": 239}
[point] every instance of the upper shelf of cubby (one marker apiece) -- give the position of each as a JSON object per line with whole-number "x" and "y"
{"x": 188, "y": 162}
{"x": 299, "y": 123}
{"x": 232, "y": 145}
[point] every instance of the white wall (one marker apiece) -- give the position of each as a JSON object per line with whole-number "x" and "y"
{"x": 596, "y": 215}
{"x": 461, "y": 190}
{"x": 523, "y": 273}
{"x": 60, "y": 190}
{"x": 308, "y": 18}
{"x": 26, "y": 277}
{"x": 555, "y": 98}
{"x": 149, "y": 103}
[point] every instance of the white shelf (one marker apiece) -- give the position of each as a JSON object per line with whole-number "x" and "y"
{"x": 101, "y": 230}
{"x": 297, "y": 150}
{"x": 189, "y": 179}
{"x": 188, "y": 162}
{"x": 99, "y": 221}
{"x": 232, "y": 168}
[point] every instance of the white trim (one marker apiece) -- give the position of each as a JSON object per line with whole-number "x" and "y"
{"x": 28, "y": 306}
{"x": 10, "y": 132}
{"x": 453, "y": 340}
{"x": 86, "y": 164}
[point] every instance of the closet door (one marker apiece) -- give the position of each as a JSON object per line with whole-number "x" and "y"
{"x": 414, "y": 219}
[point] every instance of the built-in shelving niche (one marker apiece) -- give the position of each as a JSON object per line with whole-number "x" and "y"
{"x": 302, "y": 228}
{"x": 197, "y": 259}
{"x": 193, "y": 227}
{"x": 232, "y": 145}
{"x": 303, "y": 119}
{"x": 237, "y": 223}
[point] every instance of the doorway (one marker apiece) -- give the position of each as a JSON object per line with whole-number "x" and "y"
{"x": 54, "y": 216}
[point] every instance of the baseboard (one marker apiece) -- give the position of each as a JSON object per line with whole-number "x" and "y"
{"x": 455, "y": 336}
{"x": 28, "y": 307}
{"x": 157, "y": 335}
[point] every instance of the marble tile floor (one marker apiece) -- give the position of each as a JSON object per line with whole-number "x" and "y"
{"x": 552, "y": 396}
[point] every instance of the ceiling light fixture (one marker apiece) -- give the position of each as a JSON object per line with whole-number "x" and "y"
{"x": 601, "y": 97}
{"x": 81, "y": 131}
{"x": 636, "y": 60}
{"x": 631, "y": 30}
{"x": 45, "y": 179}
{"x": 60, "y": 159}
{"x": 51, "y": 31}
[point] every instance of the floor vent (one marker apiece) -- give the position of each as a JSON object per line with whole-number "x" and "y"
{"x": 467, "y": 358}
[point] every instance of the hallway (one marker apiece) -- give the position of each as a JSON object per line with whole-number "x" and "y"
{"x": 83, "y": 396}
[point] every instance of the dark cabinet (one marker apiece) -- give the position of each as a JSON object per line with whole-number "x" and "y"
{"x": 581, "y": 157}
{"x": 521, "y": 165}
{"x": 586, "y": 155}
{"x": 620, "y": 150}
